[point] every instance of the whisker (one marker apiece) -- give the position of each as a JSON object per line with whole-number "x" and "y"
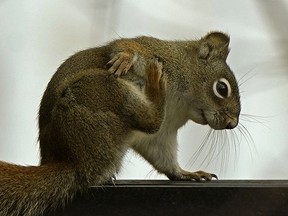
{"x": 228, "y": 144}
{"x": 241, "y": 81}
{"x": 248, "y": 138}
{"x": 208, "y": 157}
{"x": 257, "y": 116}
{"x": 149, "y": 174}
{"x": 223, "y": 153}
{"x": 197, "y": 153}
{"x": 236, "y": 144}
{"x": 220, "y": 146}
{"x": 217, "y": 146}
{"x": 212, "y": 145}
{"x": 254, "y": 118}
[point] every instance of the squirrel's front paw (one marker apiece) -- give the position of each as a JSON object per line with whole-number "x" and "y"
{"x": 120, "y": 63}
{"x": 197, "y": 176}
{"x": 156, "y": 79}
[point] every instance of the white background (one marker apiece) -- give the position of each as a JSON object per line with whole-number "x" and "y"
{"x": 37, "y": 36}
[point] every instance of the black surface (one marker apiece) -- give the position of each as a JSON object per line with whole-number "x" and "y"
{"x": 182, "y": 198}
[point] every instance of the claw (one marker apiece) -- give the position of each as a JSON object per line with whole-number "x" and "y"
{"x": 113, "y": 179}
{"x": 214, "y": 176}
{"x": 120, "y": 64}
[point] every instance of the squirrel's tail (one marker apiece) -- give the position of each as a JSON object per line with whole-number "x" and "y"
{"x": 33, "y": 190}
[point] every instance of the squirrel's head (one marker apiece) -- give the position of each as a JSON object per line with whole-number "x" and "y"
{"x": 214, "y": 98}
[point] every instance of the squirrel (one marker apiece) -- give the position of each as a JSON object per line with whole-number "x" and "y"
{"x": 131, "y": 93}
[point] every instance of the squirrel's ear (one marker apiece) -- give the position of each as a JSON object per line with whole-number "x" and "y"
{"x": 214, "y": 44}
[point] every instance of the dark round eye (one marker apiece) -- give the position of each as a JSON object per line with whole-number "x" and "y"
{"x": 222, "y": 88}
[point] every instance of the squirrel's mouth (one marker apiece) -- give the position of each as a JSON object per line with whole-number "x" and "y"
{"x": 204, "y": 122}
{"x": 208, "y": 118}
{"x": 199, "y": 117}
{"x": 219, "y": 120}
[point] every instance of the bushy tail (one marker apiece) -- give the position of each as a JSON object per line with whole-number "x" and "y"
{"x": 30, "y": 191}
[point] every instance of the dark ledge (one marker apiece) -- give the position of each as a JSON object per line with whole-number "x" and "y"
{"x": 152, "y": 198}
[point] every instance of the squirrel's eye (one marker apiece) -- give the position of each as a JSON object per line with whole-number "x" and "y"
{"x": 222, "y": 88}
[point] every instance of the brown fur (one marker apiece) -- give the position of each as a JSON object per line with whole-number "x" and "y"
{"x": 85, "y": 140}
{"x": 88, "y": 118}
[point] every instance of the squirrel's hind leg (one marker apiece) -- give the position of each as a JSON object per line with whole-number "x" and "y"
{"x": 93, "y": 141}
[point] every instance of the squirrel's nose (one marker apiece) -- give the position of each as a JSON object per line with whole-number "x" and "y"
{"x": 232, "y": 124}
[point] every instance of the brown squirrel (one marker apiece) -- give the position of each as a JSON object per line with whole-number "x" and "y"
{"x": 88, "y": 118}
